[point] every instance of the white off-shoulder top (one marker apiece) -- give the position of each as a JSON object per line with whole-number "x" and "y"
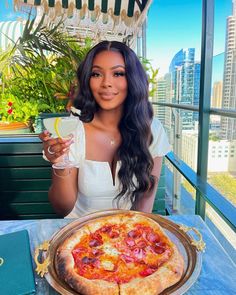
{"x": 96, "y": 188}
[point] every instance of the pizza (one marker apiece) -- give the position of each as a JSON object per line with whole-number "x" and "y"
{"x": 125, "y": 253}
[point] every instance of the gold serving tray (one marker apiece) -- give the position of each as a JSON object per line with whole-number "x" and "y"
{"x": 177, "y": 233}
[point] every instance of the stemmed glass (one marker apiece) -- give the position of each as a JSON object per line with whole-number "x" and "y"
{"x": 61, "y": 127}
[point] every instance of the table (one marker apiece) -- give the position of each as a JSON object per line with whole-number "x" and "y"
{"x": 218, "y": 274}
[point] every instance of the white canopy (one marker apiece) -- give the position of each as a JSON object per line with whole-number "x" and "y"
{"x": 117, "y": 19}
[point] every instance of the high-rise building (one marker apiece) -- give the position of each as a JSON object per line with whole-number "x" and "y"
{"x": 160, "y": 96}
{"x": 228, "y": 125}
{"x": 218, "y": 67}
{"x": 216, "y": 100}
{"x": 196, "y": 95}
{"x": 182, "y": 69}
{"x": 221, "y": 154}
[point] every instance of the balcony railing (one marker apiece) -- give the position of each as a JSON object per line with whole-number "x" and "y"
{"x": 204, "y": 191}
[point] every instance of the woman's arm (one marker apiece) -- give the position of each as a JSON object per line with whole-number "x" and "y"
{"x": 146, "y": 203}
{"x": 63, "y": 191}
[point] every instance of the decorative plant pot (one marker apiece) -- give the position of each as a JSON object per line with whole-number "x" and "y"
{"x": 14, "y": 128}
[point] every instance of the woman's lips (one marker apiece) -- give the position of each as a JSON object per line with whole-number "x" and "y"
{"x": 107, "y": 95}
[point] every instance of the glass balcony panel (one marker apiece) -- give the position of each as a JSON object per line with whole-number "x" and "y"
{"x": 182, "y": 129}
{"x": 222, "y": 158}
{"x": 224, "y": 234}
{"x": 175, "y": 54}
{"x": 180, "y": 195}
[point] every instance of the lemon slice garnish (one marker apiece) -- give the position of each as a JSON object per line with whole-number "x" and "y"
{"x": 56, "y": 126}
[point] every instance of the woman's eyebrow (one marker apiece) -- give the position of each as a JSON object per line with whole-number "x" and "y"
{"x": 112, "y": 68}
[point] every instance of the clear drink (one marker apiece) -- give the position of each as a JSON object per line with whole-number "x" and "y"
{"x": 61, "y": 127}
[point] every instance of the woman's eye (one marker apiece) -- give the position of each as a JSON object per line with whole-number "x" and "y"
{"x": 119, "y": 74}
{"x": 95, "y": 74}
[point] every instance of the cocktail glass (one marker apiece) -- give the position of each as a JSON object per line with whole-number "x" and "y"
{"x": 61, "y": 127}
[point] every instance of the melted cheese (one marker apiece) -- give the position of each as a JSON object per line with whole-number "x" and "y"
{"x": 107, "y": 265}
{"x": 109, "y": 250}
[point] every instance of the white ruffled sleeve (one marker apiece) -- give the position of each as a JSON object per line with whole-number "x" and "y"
{"x": 77, "y": 148}
{"x": 160, "y": 145}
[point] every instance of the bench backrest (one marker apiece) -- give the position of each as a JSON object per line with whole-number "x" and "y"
{"x": 25, "y": 180}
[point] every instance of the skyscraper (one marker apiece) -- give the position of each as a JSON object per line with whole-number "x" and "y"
{"x": 228, "y": 125}
{"x": 216, "y": 101}
{"x": 182, "y": 71}
{"x": 196, "y": 95}
{"x": 160, "y": 96}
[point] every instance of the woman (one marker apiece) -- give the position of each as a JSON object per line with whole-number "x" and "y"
{"x": 118, "y": 144}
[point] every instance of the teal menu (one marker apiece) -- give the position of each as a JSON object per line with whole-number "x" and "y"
{"x": 16, "y": 271}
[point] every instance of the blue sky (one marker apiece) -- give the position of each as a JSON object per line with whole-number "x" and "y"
{"x": 170, "y": 27}
{"x": 7, "y": 11}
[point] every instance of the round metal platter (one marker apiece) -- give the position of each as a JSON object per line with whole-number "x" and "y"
{"x": 192, "y": 258}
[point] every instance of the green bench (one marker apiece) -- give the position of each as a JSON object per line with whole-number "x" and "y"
{"x": 26, "y": 177}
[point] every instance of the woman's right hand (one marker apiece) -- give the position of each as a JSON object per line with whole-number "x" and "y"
{"x": 54, "y": 148}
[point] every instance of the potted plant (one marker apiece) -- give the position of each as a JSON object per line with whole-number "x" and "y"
{"x": 15, "y": 115}
{"x": 40, "y": 70}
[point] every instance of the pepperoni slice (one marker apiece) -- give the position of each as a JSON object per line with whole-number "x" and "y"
{"x": 96, "y": 240}
{"x": 79, "y": 250}
{"x": 126, "y": 258}
{"x": 147, "y": 272}
{"x": 88, "y": 260}
{"x": 159, "y": 249}
{"x": 153, "y": 237}
{"x": 97, "y": 252}
{"x": 130, "y": 242}
{"x": 106, "y": 229}
{"x": 134, "y": 234}
{"x": 113, "y": 234}
{"x": 139, "y": 253}
{"x": 141, "y": 244}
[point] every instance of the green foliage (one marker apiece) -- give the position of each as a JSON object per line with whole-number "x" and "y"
{"x": 12, "y": 109}
{"x": 39, "y": 71}
{"x": 222, "y": 182}
{"x": 214, "y": 137}
{"x": 152, "y": 75}
{"x": 225, "y": 184}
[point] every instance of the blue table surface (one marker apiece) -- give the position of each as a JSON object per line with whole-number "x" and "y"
{"x": 218, "y": 273}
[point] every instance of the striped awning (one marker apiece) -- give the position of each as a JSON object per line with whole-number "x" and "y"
{"x": 119, "y": 17}
{"x": 10, "y": 31}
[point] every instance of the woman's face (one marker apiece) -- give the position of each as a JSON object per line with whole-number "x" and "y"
{"x": 108, "y": 81}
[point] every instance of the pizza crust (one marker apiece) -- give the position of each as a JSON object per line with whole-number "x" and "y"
{"x": 102, "y": 221}
{"x": 167, "y": 274}
{"x": 65, "y": 270}
{"x": 74, "y": 238}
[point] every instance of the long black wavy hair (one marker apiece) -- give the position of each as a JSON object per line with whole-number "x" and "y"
{"x": 135, "y": 125}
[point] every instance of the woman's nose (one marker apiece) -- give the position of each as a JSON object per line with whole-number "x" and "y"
{"x": 106, "y": 82}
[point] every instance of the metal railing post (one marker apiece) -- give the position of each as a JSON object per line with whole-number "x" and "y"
{"x": 205, "y": 96}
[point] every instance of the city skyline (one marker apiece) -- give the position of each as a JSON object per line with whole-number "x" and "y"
{"x": 165, "y": 36}
{"x": 228, "y": 125}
